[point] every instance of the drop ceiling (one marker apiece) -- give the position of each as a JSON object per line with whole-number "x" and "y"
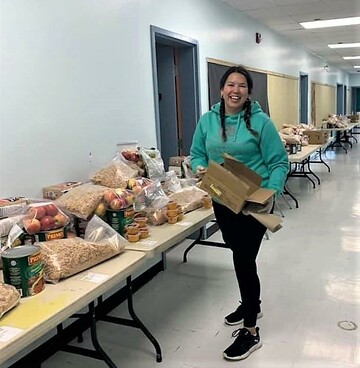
{"x": 284, "y": 16}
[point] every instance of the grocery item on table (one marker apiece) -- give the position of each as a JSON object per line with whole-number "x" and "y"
{"x": 66, "y": 257}
{"x": 82, "y": 201}
{"x": 115, "y": 174}
{"x": 9, "y": 298}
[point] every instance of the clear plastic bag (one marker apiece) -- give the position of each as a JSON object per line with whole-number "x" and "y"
{"x": 189, "y": 198}
{"x": 171, "y": 183}
{"x": 82, "y": 201}
{"x": 66, "y": 257}
{"x": 129, "y": 153}
{"x": 154, "y": 164}
{"x": 115, "y": 174}
{"x": 43, "y": 216}
{"x": 10, "y": 297}
{"x": 152, "y": 197}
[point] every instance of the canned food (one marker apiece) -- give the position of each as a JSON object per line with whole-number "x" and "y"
{"x": 23, "y": 269}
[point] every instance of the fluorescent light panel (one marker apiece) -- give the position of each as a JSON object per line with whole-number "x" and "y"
{"x": 356, "y": 66}
{"x": 343, "y": 45}
{"x": 331, "y": 23}
{"x": 351, "y": 57}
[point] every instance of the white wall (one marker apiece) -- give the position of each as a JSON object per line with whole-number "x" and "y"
{"x": 76, "y": 77}
{"x": 355, "y": 80}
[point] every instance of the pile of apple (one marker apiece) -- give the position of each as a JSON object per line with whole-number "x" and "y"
{"x": 115, "y": 199}
{"x": 43, "y": 217}
{"x": 133, "y": 156}
{"x": 136, "y": 185}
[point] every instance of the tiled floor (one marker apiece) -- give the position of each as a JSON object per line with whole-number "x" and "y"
{"x": 310, "y": 274}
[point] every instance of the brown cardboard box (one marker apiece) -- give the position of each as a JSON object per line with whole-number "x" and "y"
{"x": 233, "y": 184}
{"x": 317, "y": 136}
{"x": 354, "y": 118}
{"x": 57, "y": 190}
{"x": 175, "y": 164}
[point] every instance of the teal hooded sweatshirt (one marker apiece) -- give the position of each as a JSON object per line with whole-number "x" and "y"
{"x": 265, "y": 154}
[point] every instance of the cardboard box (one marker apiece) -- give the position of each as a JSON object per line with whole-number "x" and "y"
{"x": 57, "y": 190}
{"x": 354, "y": 118}
{"x": 234, "y": 184}
{"x": 317, "y": 136}
{"x": 175, "y": 164}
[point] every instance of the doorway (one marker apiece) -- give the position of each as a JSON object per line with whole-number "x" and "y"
{"x": 176, "y": 91}
{"x": 339, "y": 99}
{"x": 304, "y": 96}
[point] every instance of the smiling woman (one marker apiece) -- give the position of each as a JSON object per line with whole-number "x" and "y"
{"x": 238, "y": 126}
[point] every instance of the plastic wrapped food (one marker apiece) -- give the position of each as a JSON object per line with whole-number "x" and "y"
{"x": 189, "y": 198}
{"x": 9, "y": 298}
{"x": 82, "y": 201}
{"x": 115, "y": 174}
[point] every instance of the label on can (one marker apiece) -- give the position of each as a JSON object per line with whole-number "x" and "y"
{"x": 23, "y": 269}
{"x": 119, "y": 219}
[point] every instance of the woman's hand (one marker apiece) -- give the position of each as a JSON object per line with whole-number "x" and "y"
{"x": 200, "y": 171}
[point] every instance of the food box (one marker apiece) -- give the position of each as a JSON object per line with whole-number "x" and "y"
{"x": 12, "y": 206}
{"x": 317, "y": 136}
{"x": 233, "y": 184}
{"x": 57, "y": 190}
{"x": 354, "y": 118}
{"x": 119, "y": 219}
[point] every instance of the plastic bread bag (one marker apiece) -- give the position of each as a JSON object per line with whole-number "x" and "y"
{"x": 115, "y": 174}
{"x": 9, "y": 298}
{"x": 154, "y": 164}
{"x": 63, "y": 258}
{"x": 82, "y": 201}
{"x": 189, "y": 198}
{"x": 43, "y": 216}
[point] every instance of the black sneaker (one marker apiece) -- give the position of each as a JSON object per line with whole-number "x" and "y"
{"x": 237, "y": 317}
{"x": 244, "y": 345}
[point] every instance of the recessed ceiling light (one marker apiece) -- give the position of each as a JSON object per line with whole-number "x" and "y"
{"x": 343, "y": 45}
{"x": 351, "y": 57}
{"x": 331, "y": 23}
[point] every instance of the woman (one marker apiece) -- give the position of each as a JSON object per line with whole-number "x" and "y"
{"x": 239, "y": 127}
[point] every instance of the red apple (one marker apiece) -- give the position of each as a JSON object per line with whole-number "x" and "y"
{"x": 109, "y": 195}
{"x": 32, "y": 225}
{"x": 51, "y": 209}
{"x": 37, "y": 212}
{"x": 60, "y": 220}
{"x": 126, "y": 155}
{"x": 134, "y": 157}
{"x": 47, "y": 223}
{"x": 115, "y": 204}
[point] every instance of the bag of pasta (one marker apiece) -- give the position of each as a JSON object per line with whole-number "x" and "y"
{"x": 66, "y": 257}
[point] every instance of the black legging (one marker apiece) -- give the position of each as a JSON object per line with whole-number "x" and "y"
{"x": 243, "y": 235}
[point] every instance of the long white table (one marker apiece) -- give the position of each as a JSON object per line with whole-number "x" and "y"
{"x": 39, "y": 314}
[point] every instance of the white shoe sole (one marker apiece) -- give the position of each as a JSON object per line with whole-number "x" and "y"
{"x": 244, "y": 356}
{"x": 259, "y": 315}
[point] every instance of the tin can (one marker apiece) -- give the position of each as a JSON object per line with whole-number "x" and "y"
{"x": 119, "y": 219}
{"x": 23, "y": 269}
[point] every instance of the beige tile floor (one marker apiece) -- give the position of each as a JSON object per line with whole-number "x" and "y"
{"x": 310, "y": 274}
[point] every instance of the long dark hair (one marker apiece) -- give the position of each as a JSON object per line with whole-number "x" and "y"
{"x": 247, "y": 105}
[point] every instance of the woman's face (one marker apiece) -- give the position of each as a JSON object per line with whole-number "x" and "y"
{"x": 235, "y": 93}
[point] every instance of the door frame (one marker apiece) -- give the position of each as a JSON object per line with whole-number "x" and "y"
{"x": 165, "y": 37}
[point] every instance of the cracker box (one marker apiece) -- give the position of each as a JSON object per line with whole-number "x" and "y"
{"x": 317, "y": 136}
{"x": 57, "y": 190}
